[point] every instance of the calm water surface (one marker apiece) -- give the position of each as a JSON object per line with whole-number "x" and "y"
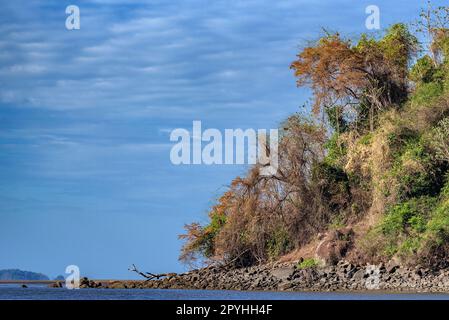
{"x": 41, "y": 292}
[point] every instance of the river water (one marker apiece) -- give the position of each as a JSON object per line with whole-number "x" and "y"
{"x": 41, "y": 292}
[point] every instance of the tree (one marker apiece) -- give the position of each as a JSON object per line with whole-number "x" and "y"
{"x": 434, "y": 24}
{"x": 374, "y": 72}
{"x": 333, "y": 70}
{"x": 262, "y": 217}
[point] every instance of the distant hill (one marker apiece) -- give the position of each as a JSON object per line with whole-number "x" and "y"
{"x": 16, "y": 274}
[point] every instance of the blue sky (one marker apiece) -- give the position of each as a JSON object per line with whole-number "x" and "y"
{"x": 85, "y": 117}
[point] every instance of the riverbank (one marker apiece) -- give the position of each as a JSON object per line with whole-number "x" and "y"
{"x": 289, "y": 277}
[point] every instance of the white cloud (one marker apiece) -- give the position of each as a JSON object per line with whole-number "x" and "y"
{"x": 25, "y": 68}
{"x": 160, "y": 60}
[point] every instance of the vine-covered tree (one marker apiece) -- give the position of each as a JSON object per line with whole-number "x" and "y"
{"x": 372, "y": 73}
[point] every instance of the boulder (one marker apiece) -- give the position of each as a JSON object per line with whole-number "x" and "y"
{"x": 334, "y": 246}
{"x": 391, "y": 267}
{"x": 359, "y": 275}
{"x": 282, "y": 273}
{"x": 84, "y": 282}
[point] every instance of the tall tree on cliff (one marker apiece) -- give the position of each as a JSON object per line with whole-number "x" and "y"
{"x": 372, "y": 72}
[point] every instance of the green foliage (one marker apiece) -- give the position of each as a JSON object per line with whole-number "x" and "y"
{"x": 426, "y": 93}
{"x": 414, "y": 227}
{"x": 336, "y": 119}
{"x": 366, "y": 139}
{"x": 440, "y": 140}
{"x": 206, "y": 242}
{"x": 408, "y": 217}
{"x": 217, "y": 221}
{"x": 438, "y": 226}
{"x": 336, "y": 150}
{"x": 334, "y": 185}
{"x": 279, "y": 243}
{"x": 366, "y": 43}
{"x": 404, "y": 225}
{"x": 337, "y": 222}
{"x": 307, "y": 264}
{"x": 416, "y": 172}
{"x": 399, "y": 45}
{"x": 362, "y": 122}
{"x": 423, "y": 71}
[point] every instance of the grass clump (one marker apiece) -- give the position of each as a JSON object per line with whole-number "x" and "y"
{"x": 307, "y": 264}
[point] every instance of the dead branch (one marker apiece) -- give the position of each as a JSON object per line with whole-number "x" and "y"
{"x": 148, "y": 275}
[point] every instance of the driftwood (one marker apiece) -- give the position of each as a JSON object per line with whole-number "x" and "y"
{"x": 150, "y": 276}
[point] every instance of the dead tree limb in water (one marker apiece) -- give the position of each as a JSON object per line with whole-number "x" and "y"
{"x": 150, "y": 276}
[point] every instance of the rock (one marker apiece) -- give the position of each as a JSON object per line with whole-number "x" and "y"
{"x": 282, "y": 273}
{"x": 419, "y": 273}
{"x": 285, "y": 286}
{"x": 173, "y": 280}
{"x": 343, "y": 264}
{"x": 56, "y": 284}
{"x": 334, "y": 246}
{"x": 359, "y": 275}
{"x": 342, "y": 275}
{"x": 84, "y": 281}
{"x": 117, "y": 285}
{"x": 391, "y": 267}
{"x": 24, "y": 286}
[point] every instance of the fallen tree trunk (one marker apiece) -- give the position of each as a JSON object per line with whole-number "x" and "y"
{"x": 150, "y": 276}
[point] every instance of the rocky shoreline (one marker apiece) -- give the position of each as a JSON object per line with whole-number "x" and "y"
{"x": 343, "y": 276}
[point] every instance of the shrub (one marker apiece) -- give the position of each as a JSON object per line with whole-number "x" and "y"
{"x": 366, "y": 139}
{"x": 279, "y": 243}
{"x": 438, "y": 226}
{"x": 427, "y": 93}
{"x": 335, "y": 116}
{"x": 333, "y": 184}
{"x": 335, "y": 150}
{"x": 423, "y": 70}
{"x": 404, "y": 225}
{"x": 307, "y": 264}
{"x": 440, "y": 140}
{"x": 408, "y": 217}
{"x": 416, "y": 171}
{"x": 434, "y": 249}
